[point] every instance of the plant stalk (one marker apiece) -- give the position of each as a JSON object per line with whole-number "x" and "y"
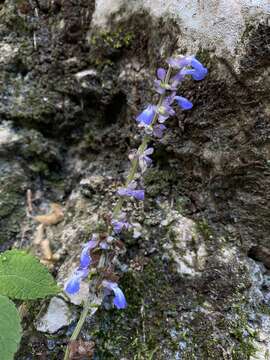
{"x": 118, "y": 207}
{"x": 78, "y": 327}
{"x": 141, "y": 149}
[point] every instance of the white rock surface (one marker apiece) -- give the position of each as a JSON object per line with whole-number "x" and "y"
{"x": 57, "y": 316}
{"x": 7, "y": 134}
{"x": 185, "y": 247}
{"x": 7, "y": 52}
{"x": 217, "y": 24}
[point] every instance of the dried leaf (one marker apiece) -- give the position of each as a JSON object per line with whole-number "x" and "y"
{"x": 53, "y": 218}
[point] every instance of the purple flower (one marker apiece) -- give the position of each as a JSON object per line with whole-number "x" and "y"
{"x": 104, "y": 245}
{"x": 160, "y": 84}
{"x": 130, "y": 191}
{"x": 137, "y": 194}
{"x": 165, "y": 110}
{"x": 119, "y": 297}
{"x": 176, "y": 80}
{"x": 184, "y": 103}
{"x": 161, "y": 74}
{"x": 179, "y": 61}
{"x": 198, "y": 72}
{"x": 120, "y": 224}
{"x": 73, "y": 285}
{"x": 158, "y": 130}
{"x": 146, "y": 117}
{"x": 144, "y": 160}
{"x": 86, "y": 259}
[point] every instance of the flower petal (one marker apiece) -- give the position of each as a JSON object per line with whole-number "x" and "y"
{"x": 158, "y": 130}
{"x": 117, "y": 226}
{"x": 175, "y": 80}
{"x": 119, "y": 298}
{"x": 73, "y": 286}
{"x": 179, "y": 62}
{"x": 149, "y": 151}
{"x": 85, "y": 259}
{"x": 123, "y": 192}
{"x": 200, "y": 75}
{"x": 159, "y": 89}
{"x": 147, "y": 115}
{"x": 184, "y": 103}
{"x": 161, "y": 74}
{"x": 138, "y": 194}
{"x": 162, "y": 118}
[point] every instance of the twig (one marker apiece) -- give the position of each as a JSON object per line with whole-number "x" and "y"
{"x": 29, "y": 201}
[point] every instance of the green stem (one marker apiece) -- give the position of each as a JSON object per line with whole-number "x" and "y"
{"x": 79, "y": 326}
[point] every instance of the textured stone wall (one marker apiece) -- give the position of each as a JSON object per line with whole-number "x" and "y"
{"x": 73, "y": 76}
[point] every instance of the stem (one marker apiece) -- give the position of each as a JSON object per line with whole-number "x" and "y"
{"x": 118, "y": 206}
{"x": 141, "y": 149}
{"x": 79, "y": 326}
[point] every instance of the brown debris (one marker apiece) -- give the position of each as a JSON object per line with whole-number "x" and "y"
{"x": 53, "y": 218}
{"x": 80, "y": 350}
{"x": 39, "y": 234}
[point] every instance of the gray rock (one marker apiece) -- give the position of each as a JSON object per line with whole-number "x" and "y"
{"x": 56, "y": 316}
{"x": 215, "y": 24}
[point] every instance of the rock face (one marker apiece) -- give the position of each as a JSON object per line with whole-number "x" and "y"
{"x": 216, "y": 24}
{"x": 57, "y": 316}
{"x": 73, "y": 76}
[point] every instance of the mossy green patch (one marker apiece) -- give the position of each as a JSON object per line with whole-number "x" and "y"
{"x": 136, "y": 332}
{"x": 11, "y": 203}
{"x": 204, "y": 229}
{"x": 157, "y": 181}
{"x": 105, "y": 45}
{"x": 115, "y": 39}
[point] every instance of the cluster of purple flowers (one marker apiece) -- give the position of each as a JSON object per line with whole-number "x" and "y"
{"x": 152, "y": 120}
{"x": 185, "y": 65}
{"x": 73, "y": 285}
{"x": 80, "y": 273}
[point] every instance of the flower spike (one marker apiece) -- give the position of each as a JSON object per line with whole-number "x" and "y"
{"x": 151, "y": 119}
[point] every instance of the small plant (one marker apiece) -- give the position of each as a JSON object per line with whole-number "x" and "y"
{"x": 99, "y": 255}
{"x": 22, "y": 277}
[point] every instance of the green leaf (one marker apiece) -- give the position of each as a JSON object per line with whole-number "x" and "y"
{"x": 10, "y": 328}
{"x": 23, "y": 277}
